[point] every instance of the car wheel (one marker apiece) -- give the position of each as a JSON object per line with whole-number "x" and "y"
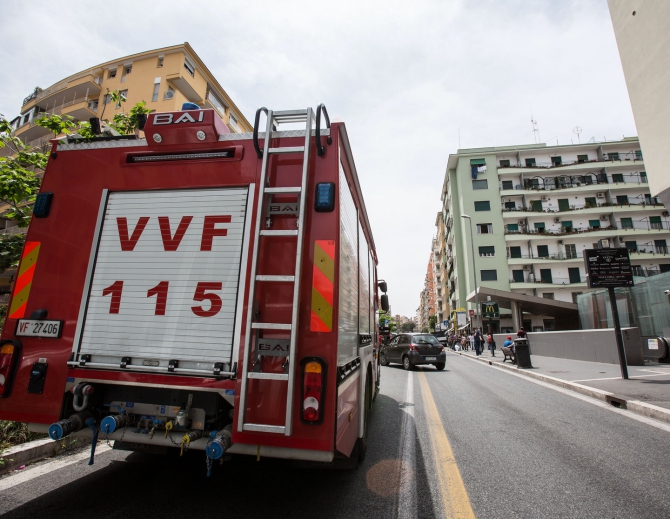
{"x": 440, "y": 366}
{"x": 383, "y": 360}
{"x": 406, "y": 363}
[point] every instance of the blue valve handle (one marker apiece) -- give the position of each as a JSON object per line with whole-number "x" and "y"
{"x": 94, "y": 441}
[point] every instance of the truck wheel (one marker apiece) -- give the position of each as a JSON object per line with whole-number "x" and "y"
{"x": 440, "y": 366}
{"x": 383, "y": 360}
{"x": 407, "y": 364}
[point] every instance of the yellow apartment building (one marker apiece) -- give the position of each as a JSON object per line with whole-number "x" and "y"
{"x": 164, "y": 78}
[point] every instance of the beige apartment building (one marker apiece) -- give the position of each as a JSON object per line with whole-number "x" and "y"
{"x": 163, "y": 78}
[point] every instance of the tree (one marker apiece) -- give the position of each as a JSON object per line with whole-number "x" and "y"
{"x": 56, "y": 124}
{"x": 114, "y": 97}
{"x": 384, "y": 316}
{"x": 431, "y": 322}
{"x": 407, "y": 327}
{"x": 126, "y": 124}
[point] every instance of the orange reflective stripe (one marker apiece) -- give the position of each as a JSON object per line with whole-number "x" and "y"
{"x": 24, "y": 280}
{"x": 323, "y": 278}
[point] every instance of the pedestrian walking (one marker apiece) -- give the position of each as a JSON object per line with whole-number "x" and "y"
{"x": 472, "y": 341}
{"x": 478, "y": 342}
{"x": 491, "y": 344}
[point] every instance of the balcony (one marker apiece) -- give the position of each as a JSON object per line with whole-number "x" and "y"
{"x": 81, "y": 109}
{"x": 609, "y": 160}
{"x": 64, "y": 92}
{"x": 633, "y": 227}
{"x": 185, "y": 84}
{"x": 641, "y": 205}
{"x": 554, "y": 282}
{"x": 524, "y": 259}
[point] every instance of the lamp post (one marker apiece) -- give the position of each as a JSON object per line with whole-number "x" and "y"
{"x": 474, "y": 267}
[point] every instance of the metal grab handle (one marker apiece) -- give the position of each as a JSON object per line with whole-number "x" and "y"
{"x": 320, "y": 148}
{"x": 259, "y": 152}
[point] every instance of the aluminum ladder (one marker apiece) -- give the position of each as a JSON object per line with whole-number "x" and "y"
{"x": 275, "y": 119}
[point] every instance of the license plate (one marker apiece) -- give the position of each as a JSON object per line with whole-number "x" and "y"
{"x": 431, "y": 358}
{"x": 38, "y": 328}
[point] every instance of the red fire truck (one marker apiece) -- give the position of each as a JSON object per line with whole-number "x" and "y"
{"x": 201, "y": 289}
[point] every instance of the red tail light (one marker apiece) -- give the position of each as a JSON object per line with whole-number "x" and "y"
{"x": 10, "y": 352}
{"x": 313, "y": 383}
{"x": 412, "y": 347}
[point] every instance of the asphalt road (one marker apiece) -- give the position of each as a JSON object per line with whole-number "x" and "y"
{"x": 468, "y": 441}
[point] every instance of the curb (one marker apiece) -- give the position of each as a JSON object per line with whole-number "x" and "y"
{"x": 36, "y": 450}
{"x": 636, "y": 406}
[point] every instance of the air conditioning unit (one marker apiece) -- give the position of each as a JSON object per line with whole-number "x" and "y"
{"x": 600, "y": 195}
{"x": 666, "y": 213}
{"x": 604, "y": 217}
{"x": 544, "y": 198}
{"x": 522, "y": 222}
{"x": 557, "y": 220}
{"x": 560, "y": 242}
{"x": 526, "y": 268}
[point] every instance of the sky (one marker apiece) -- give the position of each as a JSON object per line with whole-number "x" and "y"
{"x": 413, "y": 82}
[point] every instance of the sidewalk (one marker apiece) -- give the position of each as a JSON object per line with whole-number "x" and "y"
{"x": 647, "y": 391}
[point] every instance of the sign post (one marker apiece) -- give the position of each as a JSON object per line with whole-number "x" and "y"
{"x": 490, "y": 310}
{"x": 610, "y": 268}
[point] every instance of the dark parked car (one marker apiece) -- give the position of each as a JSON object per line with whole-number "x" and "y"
{"x": 412, "y": 349}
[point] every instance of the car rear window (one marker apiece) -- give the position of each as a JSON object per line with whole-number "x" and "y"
{"x": 421, "y": 339}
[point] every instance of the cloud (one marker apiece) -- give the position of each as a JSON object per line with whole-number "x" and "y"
{"x": 406, "y": 78}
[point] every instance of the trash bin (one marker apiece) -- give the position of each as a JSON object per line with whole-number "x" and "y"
{"x": 522, "y": 353}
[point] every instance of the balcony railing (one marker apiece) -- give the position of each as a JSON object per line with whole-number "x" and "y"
{"x": 647, "y": 202}
{"x": 557, "y": 256}
{"x": 640, "y": 225}
{"x": 14, "y": 230}
{"x": 568, "y": 181}
{"x": 553, "y": 281}
{"x": 630, "y": 156}
{"x": 645, "y": 272}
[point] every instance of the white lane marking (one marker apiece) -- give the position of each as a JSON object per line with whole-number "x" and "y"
{"x": 407, "y": 492}
{"x": 57, "y": 464}
{"x": 617, "y": 378}
{"x": 649, "y": 421}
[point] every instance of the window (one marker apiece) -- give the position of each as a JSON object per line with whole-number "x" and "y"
{"x": 574, "y": 296}
{"x": 643, "y": 176}
{"x": 617, "y": 177}
{"x": 124, "y": 94}
{"x": 478, "y": 162}
{"x": 127, "y": 69}
{"x": 157, "y": 86}
{"x": 548, "y": 295}
{"x": 582, "y": 158}
{"x": 567, "y": 225}
{"x": 484, "y": 228}
{"x": 542, "y": 251}
{"x": 515, "y": 252}
{"x": 613, "y": 156}
{"x": 160, "y": 62}
{"x": 545, "y": 276}
{"x": 665, "y": 267}
{"x": 539, "y": 226}
{"x": 507, "y": 184}
{"x": 556, "y": 161}
{"x": 563, "y": 204}
{"x": 590, "y": 201}
{"x": 594, "y": 224}
{"x": 111, "y": 73}
{"x": 480, "y": 184}
{"x": 549, "y": 325}
{"x": 487, "y": 250}
{"x": 512, "y": 227}
{"x": 536, "y": 205}
{"x": 631, "y": 246}
{"x": 573, "y": 274}
{"x": 489, "y": 275}
{"x": 233, "y": 122}
{"x": 510, "y": 205}
{"x": 530, "y": 162}
{"x": 169, "y": 94}
{"x": 504, "y": 163}
{"x": 626, "y": 223}
{"x": 638, "y": 154}
{"x": 517, "y": 276}
{"x": 655, "y": 222}
{"x": 483, "y": 206}
{"x": 622, "y": 199}
{"x": 661, "y": 246}
{"x": 189, "y": 67}
{"x": 570, "y": 251}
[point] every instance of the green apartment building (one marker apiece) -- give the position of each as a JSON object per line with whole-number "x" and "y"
{"x": 534, "y": 209}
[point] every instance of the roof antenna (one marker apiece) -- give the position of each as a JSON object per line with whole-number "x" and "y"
{"x": 536, "y": 130}
{"x": 577, "y": 130}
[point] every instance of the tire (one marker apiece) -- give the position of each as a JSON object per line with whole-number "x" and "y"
{"x": 377, "y": 382}
{"x": 363, "y": 442}
{"x": 440, "y": 366}
{"x": 383, "y": 360}
{"x": 407, "y": 364}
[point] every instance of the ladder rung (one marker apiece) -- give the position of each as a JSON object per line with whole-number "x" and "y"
{"x": 275, "y": 278}
{"x": 288, "y": 149}
{"x": 264, "y": 428}
{"x": 293, "y": 189}
{"x": 271, "y": 326}
{"x": 290, "y": 115}
{"x": 279, "y": 233}
{"x": 268, "y": 376}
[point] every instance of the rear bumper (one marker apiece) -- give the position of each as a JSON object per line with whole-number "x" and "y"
{"x": 416, "y": 358}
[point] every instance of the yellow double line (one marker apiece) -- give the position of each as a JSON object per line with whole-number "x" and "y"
{"x": 454, "y": 496}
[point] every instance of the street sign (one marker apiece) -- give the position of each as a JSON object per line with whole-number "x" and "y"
{"x": 490, "y": 309}
{"x": 472, "y": 313}
{"x": 608, "y": 268}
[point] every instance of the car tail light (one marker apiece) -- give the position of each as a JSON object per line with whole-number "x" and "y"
{"x": 10, "y": 351}
{"x": 313, "y": 385}
{"x": 413, "y": 347}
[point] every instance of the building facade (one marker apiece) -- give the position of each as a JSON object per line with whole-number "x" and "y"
{"x": 428, "y": 296}
{"x": 533, "y": 210}
{"x": 164, "y": 78}
{"x": 641, "y": 29}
